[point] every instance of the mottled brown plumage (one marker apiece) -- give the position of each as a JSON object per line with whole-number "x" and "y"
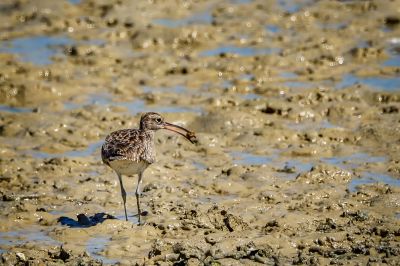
{"x": 131, "y": 151}
{"x": 129, "y": 144}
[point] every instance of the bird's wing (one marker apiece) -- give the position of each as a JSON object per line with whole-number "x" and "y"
{"x": 126, "y": 144}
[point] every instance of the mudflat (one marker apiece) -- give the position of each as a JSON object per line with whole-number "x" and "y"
{"x": 295, "y": 105}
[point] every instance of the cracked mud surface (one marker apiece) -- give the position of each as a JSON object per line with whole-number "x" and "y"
{"x": 295, "y": 105}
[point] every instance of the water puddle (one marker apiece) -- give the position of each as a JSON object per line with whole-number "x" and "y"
{"x": 384, "y": 83}
{"x": 13, "y": 238}
{"x": 91, "y": 99}
{"x": 199, "y": 166}
{"x": 291, "y": 7}
{"x": 303, "y": 126}
{"x": 240, "y": 2}
{"x": 394, "y": 52}
{"x": 40, "y": 49}
{"x": 289, "y": 168}
{"x": 372, "y": 178}
{"x": 228, "y": 84}
{"x": 75, "y": 2}
{"x": 241, "y": 51}
{"x": 292, "y": 168}
{"x": 90, "y": 150}
{"x": 250, "y": 96}
{"x": 288, "y": 75}
{"x": 96, "y": 245}
{"x": 333, "y": 26}
{"x": 307, "y": 84}
{"x": 178, "y": 89}
{"x": 353, "y": 161}
{"x": 285, "y": 168}
{"x": 133, "y": 218}
{"x": 245, "y": 158}
{"x": 247, "y": 77}
{"x": 139, "y": 106}
{"x": 293, "y": 82}
{"x": 273, "y": 29}
{"x": 10, "y": 109}
{"x": 217, "y": 198}
{"x": 300, "y": 84}
{"x": 37, "y": 49}
{"x": 380, "y": 83}
{"x": 393, "y": 61}
{"x": 135, "y": 106}
{"x": 197, "y": 18}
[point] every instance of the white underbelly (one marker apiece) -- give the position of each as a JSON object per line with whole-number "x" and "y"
{"x": 126, "y": 167}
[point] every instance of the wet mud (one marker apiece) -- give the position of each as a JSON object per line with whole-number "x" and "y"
{"x": 295, "y": 105}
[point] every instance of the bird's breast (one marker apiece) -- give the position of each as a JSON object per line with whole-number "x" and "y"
{"x": 127, "y": 167}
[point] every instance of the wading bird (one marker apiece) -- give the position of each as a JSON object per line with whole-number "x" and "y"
{"x": 131, "y": 151}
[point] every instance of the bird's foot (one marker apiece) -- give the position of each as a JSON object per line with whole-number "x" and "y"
{"x": 143, "y": 213}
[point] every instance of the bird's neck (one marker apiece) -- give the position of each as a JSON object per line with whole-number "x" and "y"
{"x": 149, "y": 133}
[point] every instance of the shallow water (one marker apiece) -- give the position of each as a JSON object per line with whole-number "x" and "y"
{"x": 241, "y": 51}
{"x": 381, "y": 83}
{"x": 333, "y": 26}
{"x": 303, "y": 126}
{"x": 101, "y": 99}
{"x": 217, "y": 199}
{"x": 394, "y": 53}
{"x": 96, "y": 245}
{"x": 178, "y": 89}
{"x": 135, "y": 106}
{"x": 40, "y": 49}
{"x": 250, "y": 96}
{"x": 91, "y": 149}
{"x": 204, "y": 17}
{"x": 245, "y": 158}
{"x": 354, "y": 160}
{"x": 393, "y": 61}
{"x": 377, "y": 83}
{"x": 369, "y": 178}
{"x": 10, "y": 109}
{"x": 293, "y": 6}
{"x": 44, "y": 47}
{"x": 139, "y": 106}
{"x": 290, "y": 169}
{"x": 241, "y": 2}
{"x": 272, "y": 29}
{"x": 12, "y": 238}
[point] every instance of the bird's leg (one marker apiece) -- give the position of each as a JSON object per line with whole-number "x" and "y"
{"x": 123, "y": 194}
{"x": 137, "y": 193}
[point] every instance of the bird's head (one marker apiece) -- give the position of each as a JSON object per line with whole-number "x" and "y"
{"x": 154, "y": 121}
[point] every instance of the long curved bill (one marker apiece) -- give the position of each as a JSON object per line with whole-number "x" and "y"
{"x": 189, "y": 135}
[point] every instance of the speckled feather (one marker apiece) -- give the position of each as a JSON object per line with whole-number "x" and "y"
{"x": 129, "y": 144}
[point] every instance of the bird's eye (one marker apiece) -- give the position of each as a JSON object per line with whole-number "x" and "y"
{"x": 158, "y": 120}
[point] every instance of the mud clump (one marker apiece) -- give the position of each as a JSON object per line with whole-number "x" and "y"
{"x": 37, "y": 257}
{"x": 224, "y": 221}
{"x": 202, "y": 251}
{"x": 325, "y": 174}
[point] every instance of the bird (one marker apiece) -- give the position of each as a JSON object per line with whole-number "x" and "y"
{"x": 130, "y": 151}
